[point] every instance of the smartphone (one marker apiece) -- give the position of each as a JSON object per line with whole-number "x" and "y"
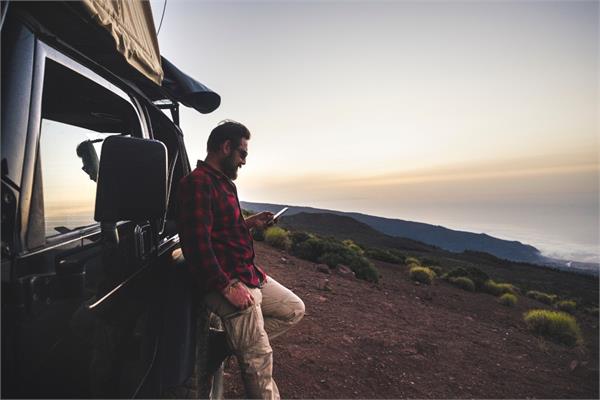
{"x": 284, "y": 209}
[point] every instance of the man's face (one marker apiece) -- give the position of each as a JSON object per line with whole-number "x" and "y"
{"x": 235, "y": 159}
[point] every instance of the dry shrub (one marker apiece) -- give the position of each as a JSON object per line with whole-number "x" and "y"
{"x": 498, "y": 289}
{"x": 463, "y": 282}
{"x": 412, "y": 260}
{"x": 278, "y": 238}
{"x": 475, "y": 274}
{"x": 554, "y": 325}
{"x": 421, "y": 274}
{"x": 542, "y": 297}
{"x": 567, "y": 305}
{"x": 508, "y": 300}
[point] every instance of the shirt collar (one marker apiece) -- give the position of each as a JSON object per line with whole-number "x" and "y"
{"x": 213, "y": 171}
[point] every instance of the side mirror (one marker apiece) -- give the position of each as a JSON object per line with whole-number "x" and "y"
{"x": 132, "y": 180}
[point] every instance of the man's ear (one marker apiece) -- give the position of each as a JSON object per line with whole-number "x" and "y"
{"x": 226, "y": 147}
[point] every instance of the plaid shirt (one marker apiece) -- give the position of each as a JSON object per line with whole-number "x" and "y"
{"x": 214, "y": 237}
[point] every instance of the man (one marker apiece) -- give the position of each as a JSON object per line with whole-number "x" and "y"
{"x": 218, "y": 248}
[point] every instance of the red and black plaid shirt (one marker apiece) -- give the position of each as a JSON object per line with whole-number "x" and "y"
{"x": 214, "y": 237}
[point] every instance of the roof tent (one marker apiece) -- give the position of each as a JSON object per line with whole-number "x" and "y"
{"x": 120, "y": 36}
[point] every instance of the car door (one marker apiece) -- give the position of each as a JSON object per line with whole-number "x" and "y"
{"x": 60, "y": 268}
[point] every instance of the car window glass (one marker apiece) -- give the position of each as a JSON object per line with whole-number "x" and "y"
{"x": 69, "y": 191}
{"x": 77, "y": 115}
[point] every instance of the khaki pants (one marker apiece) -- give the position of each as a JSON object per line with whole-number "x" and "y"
{"x": 275, "y": 310}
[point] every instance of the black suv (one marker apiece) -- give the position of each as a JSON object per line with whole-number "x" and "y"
{"x": 95, "y": 302}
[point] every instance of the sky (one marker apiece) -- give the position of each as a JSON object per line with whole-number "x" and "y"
{"x": 480, "y": 116}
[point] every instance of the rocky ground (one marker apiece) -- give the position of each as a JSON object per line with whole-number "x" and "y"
{"x": 397, "y": 339}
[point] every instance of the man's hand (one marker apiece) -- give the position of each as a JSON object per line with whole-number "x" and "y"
{"x": 238, "y": 295}
{"x": 260, "y": 220}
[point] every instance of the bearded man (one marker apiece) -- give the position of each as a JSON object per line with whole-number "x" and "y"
{"x": 218, "y": 249}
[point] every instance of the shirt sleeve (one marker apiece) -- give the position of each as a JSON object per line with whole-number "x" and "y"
{"x": 195, "y": 227}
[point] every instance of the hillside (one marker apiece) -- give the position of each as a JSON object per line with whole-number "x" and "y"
{"x": 584, "y": 288}
{"x": 339, "y": 225}
{"x": 398, "y": 339}
{"x": 448, "y": 239}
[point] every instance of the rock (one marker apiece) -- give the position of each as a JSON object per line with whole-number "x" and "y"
{"x": 573, "y": 365}
{"x": 324, "y": 285}
{"x": 344, "y": 271}
{"x": 323, "y": 268}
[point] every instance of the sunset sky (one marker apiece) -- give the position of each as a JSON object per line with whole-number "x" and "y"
{"x": 474, "y": 115}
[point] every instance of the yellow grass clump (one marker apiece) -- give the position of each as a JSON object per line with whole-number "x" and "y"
{"x": 498, "y": 289}
{"x": 542, "y": 297}
{"x": 567, "y": 306}
{"x": 278, "y": 238}
{"x": 463, "y": 282}
{"x": 421, "y": 274}
{"x": 508, "y": 300}
{"x": 554, "y": 325}
{"x": 412, "y": 260}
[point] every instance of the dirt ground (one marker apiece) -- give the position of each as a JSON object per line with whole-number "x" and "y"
{"x": 398, "y": 339}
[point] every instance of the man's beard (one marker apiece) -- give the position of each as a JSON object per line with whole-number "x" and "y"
{"x": 229, "y": 167}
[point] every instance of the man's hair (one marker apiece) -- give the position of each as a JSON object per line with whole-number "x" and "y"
{"x": 227, "y": 130}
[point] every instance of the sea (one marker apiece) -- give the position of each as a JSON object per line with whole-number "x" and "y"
{"x": 560, "y": 232}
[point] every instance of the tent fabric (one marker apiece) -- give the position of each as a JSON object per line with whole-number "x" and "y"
{"x": 187, "y": 90}
{"x": 131, "y": 25}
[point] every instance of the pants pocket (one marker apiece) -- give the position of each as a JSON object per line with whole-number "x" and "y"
{"x": 245, "y": 330}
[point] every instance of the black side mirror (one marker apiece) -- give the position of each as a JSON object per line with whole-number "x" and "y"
{"x": 132, "y": 180}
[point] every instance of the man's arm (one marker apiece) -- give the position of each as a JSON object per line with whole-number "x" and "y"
{"x": 260, "y": 220}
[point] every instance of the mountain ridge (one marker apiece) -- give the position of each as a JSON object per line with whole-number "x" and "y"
{"x": 435, "y": 235}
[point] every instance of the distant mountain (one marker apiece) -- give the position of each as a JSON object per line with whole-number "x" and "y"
{"x": 447, "y": 239}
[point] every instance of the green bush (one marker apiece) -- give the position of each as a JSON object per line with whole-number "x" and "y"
{"x": 508, "y": 300}
{"x": 310, "y": 249}
{"x": 412, "y": 260}
{"x": 383, "y": 255}
{"x": 258, "y": 234}
{"x": 397, "y": 253}
{"x": 278, "y": 238}
{"x": 438, "y": 270}
{"x": 555, "y": 325}
{"x": 298, "y": 237}
{"x": 354, "y": 247}
{"x": 567, "y": 305}
{"x": 542, "y": 297}
{"x": 332, "y": 259}
{"x": 364, "y": 269}
{"x": 333, "y": 253}
{"x": 421, "y": 274}
{"x": 475, "y": 274}
{"x": 463, "y": 282}
{"x": 498, "y": 289}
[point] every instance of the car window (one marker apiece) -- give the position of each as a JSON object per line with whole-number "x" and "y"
{"x": 77, "y": 115}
